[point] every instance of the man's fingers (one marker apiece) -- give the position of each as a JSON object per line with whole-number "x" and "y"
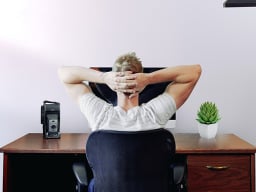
{"x": 130, "y": 77}
{"x": 125, "y": 85}
{"x": 125, "y": 79}
{"x": 128, "y": 91}
{"x": 123, "y": 73}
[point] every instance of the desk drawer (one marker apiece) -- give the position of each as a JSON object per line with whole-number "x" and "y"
{"x": 229, "y": 173}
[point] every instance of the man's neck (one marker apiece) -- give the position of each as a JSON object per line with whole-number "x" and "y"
{"x": 127, "y": 103}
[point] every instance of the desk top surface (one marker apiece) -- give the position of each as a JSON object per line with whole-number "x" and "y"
{"x": 74, "y": 143}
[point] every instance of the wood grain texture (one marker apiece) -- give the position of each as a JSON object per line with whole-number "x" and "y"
{"x": 235, "y": 175}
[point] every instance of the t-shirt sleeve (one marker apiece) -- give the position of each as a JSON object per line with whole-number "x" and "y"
{"x": 93, "y": 109}
{"x": 162, "y": 108}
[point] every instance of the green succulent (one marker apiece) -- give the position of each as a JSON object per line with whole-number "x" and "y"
{"x": 208, "y": 113}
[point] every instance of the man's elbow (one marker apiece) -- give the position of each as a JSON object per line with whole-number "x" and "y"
{"x": 197, "y": 70}
{"x": 65, "y": 75}
{"x": 60, "y": 72}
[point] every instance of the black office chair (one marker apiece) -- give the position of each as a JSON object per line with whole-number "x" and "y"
{"x": 131, "y": 162}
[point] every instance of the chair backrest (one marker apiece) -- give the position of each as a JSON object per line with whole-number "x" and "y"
{"x": 131, "y": 161}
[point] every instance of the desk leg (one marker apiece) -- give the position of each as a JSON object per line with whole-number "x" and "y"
{"x": 6, "y": 174}
{"x": 252, "y": 172}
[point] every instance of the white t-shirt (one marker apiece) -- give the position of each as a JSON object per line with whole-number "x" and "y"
{"x": 152, "y": 115}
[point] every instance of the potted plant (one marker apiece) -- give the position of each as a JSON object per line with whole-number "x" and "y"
{"x": 208, "y": 117}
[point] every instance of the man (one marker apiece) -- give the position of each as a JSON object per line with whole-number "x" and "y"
{"x": 127, "y": 79}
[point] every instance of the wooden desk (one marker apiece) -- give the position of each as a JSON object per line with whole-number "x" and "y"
{"x": 31, "y": 163}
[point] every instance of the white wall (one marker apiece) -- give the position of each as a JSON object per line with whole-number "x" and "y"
{"x": 37, "y": 36}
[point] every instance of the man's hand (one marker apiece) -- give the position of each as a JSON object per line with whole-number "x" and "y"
{"x": 126, "y": 82}
{"x": 133, "y": 83}
{"x": 141, "y": 80}
{"x": 120, "y": 81}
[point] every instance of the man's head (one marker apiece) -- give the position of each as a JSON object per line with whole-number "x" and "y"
{"x": 128, "y": 62}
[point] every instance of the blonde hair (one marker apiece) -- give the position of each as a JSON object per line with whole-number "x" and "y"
{"x": 128, "y": 62}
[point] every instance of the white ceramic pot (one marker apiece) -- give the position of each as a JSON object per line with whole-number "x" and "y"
{"x": 208, "y": 131}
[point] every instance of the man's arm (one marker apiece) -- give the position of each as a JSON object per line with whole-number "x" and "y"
{"x": 74, "y": 80}
{"x": 184, "y": 79}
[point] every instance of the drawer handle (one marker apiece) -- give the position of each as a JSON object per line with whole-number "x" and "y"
{"x": 218, "y": 168}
